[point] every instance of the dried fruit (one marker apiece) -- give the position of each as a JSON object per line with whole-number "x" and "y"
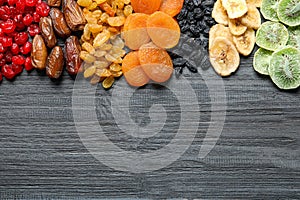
{"x": 294, "y": 36}
{"x": 48, "y": 32}
{"x": 219, "y": 30}
{"x": 261, "y": 61}
{"x": 236, "y": 27}
{"x": 269, "y": 9}
{"x": 54, "y": 3}
{"x": 163, "y": 30}
{"x": 256, "y": 3}
{"x": 252, "y": 18}
{"x": 245, "y": 43}
{"x": 219, "y": 13}
{"x": 171, "y": 7}
{"x": 235, "y": 8}
{"x": 72, "y": 55}
{"x": 39, "y": 53}
{"x": 59, "y": 23}
{"x": 288, "y": 12}
{"x": 55, "y": 63}
{"x": 73, "y": 15}
{"x": 156, "y": 62}
{"x": 146, "y": 6}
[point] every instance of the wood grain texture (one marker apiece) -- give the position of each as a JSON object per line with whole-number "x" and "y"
{"x": 256, "y": 157}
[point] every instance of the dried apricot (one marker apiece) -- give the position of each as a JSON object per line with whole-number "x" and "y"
{"x": 163, "y": 30}
{"x": 133, "y": 72}
{"x": 171, "y": 7}
{"x": 156, "y": 62}
{"x": 135, "y": 30}
{"x": 146, "y": 6}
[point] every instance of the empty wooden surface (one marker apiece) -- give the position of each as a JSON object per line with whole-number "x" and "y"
{"x": 256, "y": 157}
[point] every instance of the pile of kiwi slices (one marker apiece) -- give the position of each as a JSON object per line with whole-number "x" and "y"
{"x": 279, "y": 42}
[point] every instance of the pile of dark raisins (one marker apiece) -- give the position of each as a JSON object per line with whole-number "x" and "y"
{"x": 195, "y": 21}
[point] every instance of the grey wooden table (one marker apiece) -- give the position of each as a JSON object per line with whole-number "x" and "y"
{"x": 257, "y": 155}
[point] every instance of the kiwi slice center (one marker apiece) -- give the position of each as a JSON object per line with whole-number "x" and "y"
{"x": 273, "y": 36}
{"x": 295, "y": 9}
{"x": 286, "y": 67}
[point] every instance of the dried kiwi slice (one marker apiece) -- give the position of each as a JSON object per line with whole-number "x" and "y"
{"x": 288, "y": 12}
{"x": 272, "y": 36}
{"x": 284, "y": 68}
{"x": 269, "y": 9}
{"x": 261, "y": 61}
{"x": 294, "y": 36}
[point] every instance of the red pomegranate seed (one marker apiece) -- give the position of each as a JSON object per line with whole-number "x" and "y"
{"x": 28, "y": 65}
{"x": 31, "y": 2}
{"x": 42, "y": 9}
{"x": 9, "y": 26}
{"x": 17, "y": 68}
{"x": 8, "y": 72}
{"x": 21, "y": 38}
{"x": 15, "y": 49}
{"x": 36, "y": 17}
{"x": 7, "y": 41}
{"x": 26, "y": 48}
{"x": 27, "y": 20}
{"x": 8, "y": 57}
{"x": 18, "y": 60}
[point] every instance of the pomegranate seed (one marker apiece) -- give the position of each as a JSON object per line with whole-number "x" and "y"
{"x": 15, "y": 49}
{"x": 18, "y": 60}
{"x": 26, "y": 48}
{"x": 9, "y": 26}
{"x": 33, "y": 30}
{"x": 21, "y": 38}
{"x": 17, "y": 68}
{"x": 1, "y": 77}
{"x": 8, "y": 57}
{"x": 28, "y": 65}
{"x": 8, "y": 72}
{"x": 2, "y": 49}
{"x": 36, "y": 17}
{"x": 2, "y": 62}
{"x": 7, "y": 41}
{"x": 42, "y": 9}
{"x": 27, "y": 20}
{"x": 31, "y": 2}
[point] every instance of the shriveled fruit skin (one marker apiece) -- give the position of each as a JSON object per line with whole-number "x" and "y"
{"x": 284, "y": 68}
{"x": 289, "y": 12}
{"x": 272, "y": 36}
{"x": 135, "y": 30}
{"x": 219, "y": 30}
{"x": 171, "y": 7}
{"x": 156, "y": 62}
{"x": 163, "y": 30}
{"x": 245, "y": 43}
{"x": 224, "y": 57}
{"x": 55, "y": 63}
{"x": 146, "y": 6}
{"x": 73, "y": 15}
{"x": 39, "y": 52}
{"x": 261, "y": 61}
{"x": 219, "y": 13}
{"x": 236, "y": 27}
{"x": 132, "y": 70}
{"x": 269, "y": 9}
{"x": 294, "y": 36}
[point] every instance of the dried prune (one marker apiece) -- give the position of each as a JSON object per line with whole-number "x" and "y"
{"x": 54, "y": 3}
{"x": 47, "y": 32}
{"x": 59, "y": 23}
{"x": 39, "y": 52}
{"x": 55, "y": 63}
{"x": 72, "y": 55}
{"x": 73, "y": 15}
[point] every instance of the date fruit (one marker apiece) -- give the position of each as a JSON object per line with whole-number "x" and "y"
{"x": 59, "y": 23}
{"x": 39, "y": 53}
{"x": 73, "y": 15}
{"x": 54, "y": 3}
{"x": 72, "y": 55}
{"x": 48, "y": 32}
{"x": 55, "y": 63}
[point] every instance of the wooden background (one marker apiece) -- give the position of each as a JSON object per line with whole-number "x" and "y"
{"x": 257, "y": 155}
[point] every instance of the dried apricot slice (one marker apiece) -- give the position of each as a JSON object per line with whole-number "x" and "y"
{"x": 163, "y": 30}
{"x": 133, "y": 72}
{"x": 171, "y": 7}
{"x": 156, "y": 62}
{"x": 135, "y": 30}
{"x": 146, "y": 6}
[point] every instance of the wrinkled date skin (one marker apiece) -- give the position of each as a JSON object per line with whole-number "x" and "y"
{"x": 59, "y": 23}
{"x": 54, "y": 3}
{"x": 48, "y": 32}
{"x": 39, "y": 53}
{"x": 72, "y": 54}
{"x": 73, "y": 15}
{"x": 55, "y": 63}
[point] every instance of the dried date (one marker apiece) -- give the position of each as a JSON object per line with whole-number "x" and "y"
{"x": 72, "y": 55}
{"x": 55, "y": 63}
{"x": 39, "y": 53}
{"x": 59, "y": 23}
{"x": 47, "y": 31}
{"x": 73, "y": 15}
{"x": 54, "y": 3}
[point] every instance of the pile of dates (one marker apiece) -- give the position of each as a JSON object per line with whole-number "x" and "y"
{"x": 46, "y": 53}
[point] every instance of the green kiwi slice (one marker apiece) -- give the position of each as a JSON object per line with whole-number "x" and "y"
{"x": 288, "y": 12}
{"x": 294, "y": 36}
{"x": 272, "y": 36}
{"x": 261, "y": 61}
{"x": 269, "y": 9}
{"x": 284, "y": 68}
